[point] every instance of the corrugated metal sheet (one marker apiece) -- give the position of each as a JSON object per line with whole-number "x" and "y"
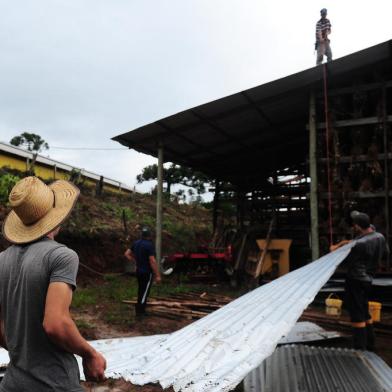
{"x": 312, "y": 369}
{"x": 304, "y": 331}
{"x": 215, "y": 353}
{"x": 114, "y": 349}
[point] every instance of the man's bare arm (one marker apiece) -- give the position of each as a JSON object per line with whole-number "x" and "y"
{"x": 62, "y": 331}
{"x": 129, "y": 255}
{"x": 3, "y": 342}
{"x": 155, "y": 269}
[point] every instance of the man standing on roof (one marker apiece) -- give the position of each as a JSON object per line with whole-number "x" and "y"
{"x": 323, "y": 29}
{"x": 143, "y": 252}
{"x": 37, "y": 279}
{"x": 362, "y": 263}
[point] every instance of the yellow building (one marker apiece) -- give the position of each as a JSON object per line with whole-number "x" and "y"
{"x": 46, "y": 168}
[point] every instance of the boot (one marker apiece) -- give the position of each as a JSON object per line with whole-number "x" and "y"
{"x": 371, "y": 337}
{"x": 359, "y": 338}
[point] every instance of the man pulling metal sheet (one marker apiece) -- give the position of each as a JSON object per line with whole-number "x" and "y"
{"x": 362, "y": 263}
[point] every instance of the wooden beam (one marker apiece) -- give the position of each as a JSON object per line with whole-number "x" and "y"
{"x": 314, "y": 224}
{"x": 355, "y": 122}
{"x": 354, "y": 89}
{"x": 158, "y": 239}
{"x": 386, "y": 170}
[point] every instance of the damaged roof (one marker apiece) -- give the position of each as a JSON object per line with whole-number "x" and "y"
{"x": 256, "y": 130}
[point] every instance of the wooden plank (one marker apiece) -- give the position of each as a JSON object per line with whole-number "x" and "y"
{"x": 355, "y": 89}
{"x": 181, "y": 305}
{"x": 265, "y": 249}
{"x": 354, "y": 122}
{"x": 359, "y": 158}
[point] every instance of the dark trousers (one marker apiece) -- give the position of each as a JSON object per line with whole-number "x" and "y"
{"x": 357, "y": 293}
{"x": 144, "y": 285}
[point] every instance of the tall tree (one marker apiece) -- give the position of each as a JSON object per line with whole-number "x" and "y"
{"x": 176, "y": 174}
{"x": 32, "y": 142}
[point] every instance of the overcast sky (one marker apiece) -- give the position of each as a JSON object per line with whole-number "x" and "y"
{"x": 78, "y": 72}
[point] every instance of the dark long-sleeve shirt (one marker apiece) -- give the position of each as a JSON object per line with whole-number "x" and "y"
{"x": 365, "y": 256}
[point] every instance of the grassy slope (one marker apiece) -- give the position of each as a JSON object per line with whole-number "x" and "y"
{"x": 96, "y": 228}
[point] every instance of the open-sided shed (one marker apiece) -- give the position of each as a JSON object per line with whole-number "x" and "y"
{"x": 252, "y": 135}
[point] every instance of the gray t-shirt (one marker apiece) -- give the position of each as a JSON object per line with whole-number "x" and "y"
{"x": 36, "y": 364}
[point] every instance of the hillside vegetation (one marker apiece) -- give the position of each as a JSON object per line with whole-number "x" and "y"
{"x": 101, "y": 228}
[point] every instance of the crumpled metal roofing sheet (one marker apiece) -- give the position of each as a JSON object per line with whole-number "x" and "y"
{"x": 305, "y": 331}
{"x": 313, "y": 369}
{"x": 4, "y": 359}
{"x": 216, "y": 352}
{"x": 114, "y": 349}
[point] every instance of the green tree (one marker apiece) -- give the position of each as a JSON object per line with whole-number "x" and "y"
{"x": 32, "y": 142}
{"x": 176, "y": 174}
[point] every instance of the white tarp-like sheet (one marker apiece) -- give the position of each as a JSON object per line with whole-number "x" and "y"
{"x": 215, "y": 353}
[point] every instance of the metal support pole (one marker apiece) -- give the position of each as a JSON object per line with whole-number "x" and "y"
{"x": 313, "y": 177}
{"x": 158, "y": 239}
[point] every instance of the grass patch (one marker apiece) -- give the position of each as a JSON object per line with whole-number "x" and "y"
{"x": 83, "y": 324}
{"x": 84, "y": 297}
{"x": 119, "y": 314}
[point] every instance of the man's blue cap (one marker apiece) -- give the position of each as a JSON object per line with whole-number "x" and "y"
{"x": 146, "y": 233}
{"x": 323, "y": 11}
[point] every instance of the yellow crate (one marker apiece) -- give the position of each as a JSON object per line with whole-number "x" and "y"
{"x": 333, "y": 305}
{"x": 375, "y": 310}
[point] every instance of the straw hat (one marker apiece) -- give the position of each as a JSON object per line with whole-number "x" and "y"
{"x": 37, "y": 209}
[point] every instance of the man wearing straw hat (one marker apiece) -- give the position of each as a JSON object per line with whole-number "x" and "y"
{"x": 37, "y": 279}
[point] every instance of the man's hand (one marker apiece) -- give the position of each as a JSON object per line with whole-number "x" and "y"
{"x": 157, "y": 279}
{"x": 129, "y": 255}
{"x": 338, "y": 245}
{"x": 94, "y": 366}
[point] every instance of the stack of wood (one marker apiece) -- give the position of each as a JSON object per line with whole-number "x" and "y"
{"x": 342, "y": 323}
{"x": 190, "y": 306}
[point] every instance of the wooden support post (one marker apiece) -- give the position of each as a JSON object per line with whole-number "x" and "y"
{"x": 54, "y": 171}
{"x": 158, "y": 239}
{"x": 386, "y": 171}
{"x": 98, "y": 187}
{"x": 215, "y": 206}
{"x": 240, "y": 208}
{"x": 313, "y": 177}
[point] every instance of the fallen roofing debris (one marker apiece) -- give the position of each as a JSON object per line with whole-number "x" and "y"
{"x": 305, "y": 331}
{"x": 115, "y": 349}
{"x": 216, "y": 352}
{"x": 312, "y": 369}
